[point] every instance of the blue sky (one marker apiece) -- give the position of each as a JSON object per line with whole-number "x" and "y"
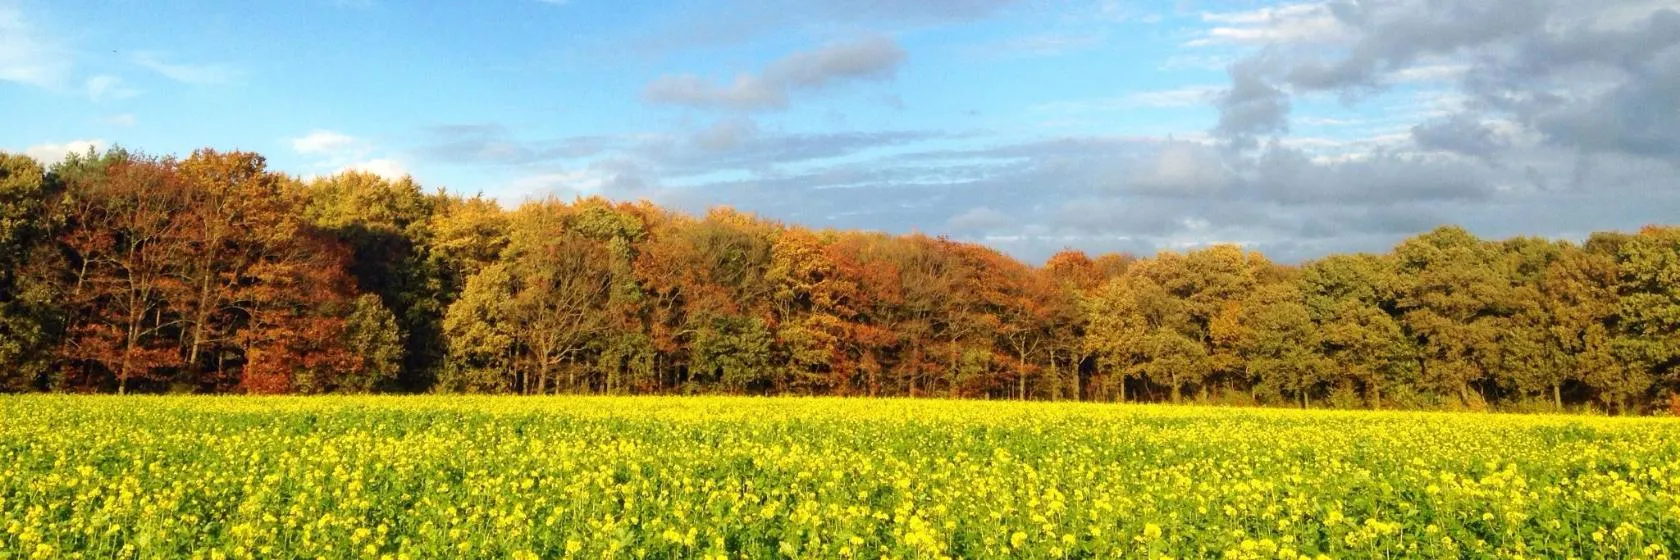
{"x": 1297, "y": 128}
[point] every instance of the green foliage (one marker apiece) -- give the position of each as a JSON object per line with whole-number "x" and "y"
{"x": 371, "y": 331}
{"x": 733, "y": 351}
{"x": 481, "y": 344}
{"x": 27, "y": 314}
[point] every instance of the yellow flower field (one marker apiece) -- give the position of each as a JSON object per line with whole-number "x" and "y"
{"x": 487, "y": 477}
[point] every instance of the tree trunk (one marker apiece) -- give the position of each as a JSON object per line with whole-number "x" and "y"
{"x": 201, "y": 316}
{"x": 915, "y": 366}
{"x": 1022, "y": 375}
{"x": 132, "y": 340}
{"x": 122, "y": 375}
{"x": 1557, "y": 395}
{"x": 956, "y": 370}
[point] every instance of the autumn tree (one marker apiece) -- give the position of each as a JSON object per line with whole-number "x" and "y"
{"x": 121, "y": 271}
{"x": 1138, "y": 329}
{"x": 542, "y": 306}
{"x": 1579, "y": 295}
{"x": 233, "y": 212}
{"x": 811, "y": 316}
{"x": 388, "y": 226}
{"x": 124, "y": 237}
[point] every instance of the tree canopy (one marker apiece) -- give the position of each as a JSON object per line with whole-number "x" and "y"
{"x": 124, "y": 271}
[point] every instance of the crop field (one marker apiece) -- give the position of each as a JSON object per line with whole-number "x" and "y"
{"x": 486, "y": 477}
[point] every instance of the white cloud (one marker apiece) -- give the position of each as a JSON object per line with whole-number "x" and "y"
{"x": 1288, "y": 23}
{"x": 343, "y": 152}
{"x": 1188, "y": 96}
{"x": 25, "y": 56}
{"x": 105, "y": 87}
{"x": 1177, "y": 97}
{"x": 327, "y": 143}
{"x": 122, "y": 119}
{"x": 197, "y": 74}
{"x": 49, "y": 154}
{"x": 383, "y": 167}
{"x": 578, "y": 181}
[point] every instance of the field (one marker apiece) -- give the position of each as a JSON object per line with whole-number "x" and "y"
{"x": 428, "y": 477}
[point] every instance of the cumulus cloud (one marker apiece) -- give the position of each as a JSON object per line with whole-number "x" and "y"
{"x": 1510, "y": 117}
{"x": 341, "y": 152}
{"x": 1600, "y": 77}
{"x": 1461, "y": 134}
{"x": 1184, "y": 168}
{"x": 383, "y": 167}
{"x": 1253, "y": 106}
{"x": 1518, "y": 105}
{"x": 873, "y": 58}
{"x": 746, "y": 92}
{"x": 326, "y": 143}
{"x": 49, "y": 154}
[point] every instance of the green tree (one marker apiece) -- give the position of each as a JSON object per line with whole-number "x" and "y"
{"x": 733, "y": 351}
{"x": 1139, "y": 330}
{"x": 28, "y": 316}
{"x": 1348, "y": 297}
{"x": 481, "y": 338}
{"x": 371, "y": 332}
{"x": 1449, "y": 288}
{"x": 1533, "y": 359}
{"x": 1280, "y": 345}
{"x": 1648, "y": 337}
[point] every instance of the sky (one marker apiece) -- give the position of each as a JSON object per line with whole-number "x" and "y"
{"x": 1295, "y": 128}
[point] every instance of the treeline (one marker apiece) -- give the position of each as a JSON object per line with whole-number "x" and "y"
{"x": 124, "y": 272}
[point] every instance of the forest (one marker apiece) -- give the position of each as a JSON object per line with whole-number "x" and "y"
{"x": 123, "y": 272}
